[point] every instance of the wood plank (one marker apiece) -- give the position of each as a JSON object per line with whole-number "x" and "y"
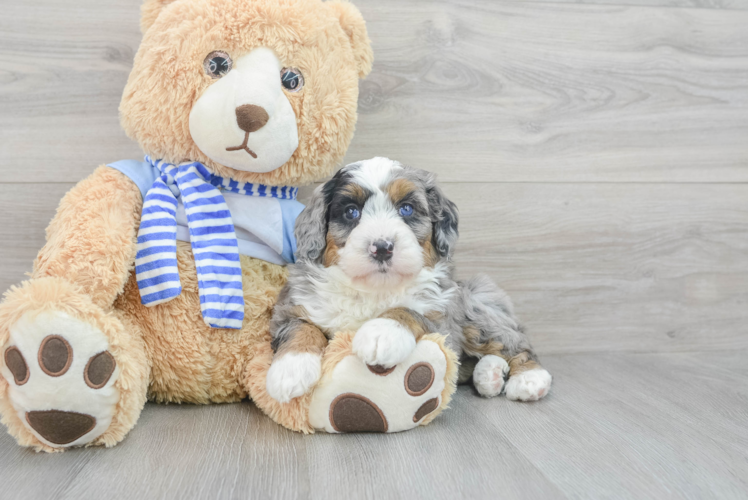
{"x": 217, "y": 451}
{"x": 614, "y": 426}
{"x": 486, "y": 91}
{"x": 175, "y": 451}
{"x": 693, "y": 4}
{"x": 64, "y": 68}
{"x": 555, "y": 92}
{"x": 26, "y": 216}
{"x": 234, "y": 451}
{"x": 605, "y": 267}
{"x": 609, "y": 428}
{"x": 457, "y": 456}
{"x": 592, "y": 267}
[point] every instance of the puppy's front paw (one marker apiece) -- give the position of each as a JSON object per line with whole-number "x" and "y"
{"x": 529, "y": 386}
{"x": 489, "y": 374}
{"x": 293, "y": 375}
{"x": 383, "y": 342}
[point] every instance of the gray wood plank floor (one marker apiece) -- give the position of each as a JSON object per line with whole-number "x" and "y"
{"x": 623, "y": 425}
{"x": 597, "y": 151}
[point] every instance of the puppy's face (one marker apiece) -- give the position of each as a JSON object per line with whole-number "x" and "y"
{"x": 383, "y": 223}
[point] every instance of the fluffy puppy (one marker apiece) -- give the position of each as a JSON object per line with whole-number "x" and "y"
{"x": 374, "y": 255}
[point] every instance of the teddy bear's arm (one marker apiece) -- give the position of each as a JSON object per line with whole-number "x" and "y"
{"x": 91, "y": 240}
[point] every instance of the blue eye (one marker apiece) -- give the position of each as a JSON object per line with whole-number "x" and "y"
{"x": 352, "y": 213}
{"x": 406, "y": 210}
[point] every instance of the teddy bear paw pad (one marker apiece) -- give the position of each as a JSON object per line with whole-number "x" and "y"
{"x": 356, "y": 397}
{"x": 61, "y": 378}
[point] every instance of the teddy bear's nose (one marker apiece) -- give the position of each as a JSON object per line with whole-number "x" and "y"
{"x": 251, "y": 117}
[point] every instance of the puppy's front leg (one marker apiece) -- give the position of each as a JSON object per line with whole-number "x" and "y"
{"x": 390, "y": 338}
{"x": 297, "y": 363}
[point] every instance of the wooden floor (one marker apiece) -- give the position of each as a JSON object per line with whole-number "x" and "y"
{"x": 598, "y": 151}
{"x": 615, "y": 426}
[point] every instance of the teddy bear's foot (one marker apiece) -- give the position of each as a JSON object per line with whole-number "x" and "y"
{"x": 355, "y": 397}
{"x": 61, "y": 378}
{"x": 71, "y": 373}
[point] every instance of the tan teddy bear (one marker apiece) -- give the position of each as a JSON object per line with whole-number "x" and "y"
{"x": 158, "y": 277}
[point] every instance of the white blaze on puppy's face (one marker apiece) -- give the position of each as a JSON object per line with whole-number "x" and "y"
{"x": 246, "y": 107}
{"x": 380, "y": 221}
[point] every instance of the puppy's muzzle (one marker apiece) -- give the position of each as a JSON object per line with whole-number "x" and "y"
{"x": 381, "y": 250}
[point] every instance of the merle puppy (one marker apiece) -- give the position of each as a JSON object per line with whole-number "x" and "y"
{"x": 374, "y": 255}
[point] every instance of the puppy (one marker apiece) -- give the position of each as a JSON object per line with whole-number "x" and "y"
{"x": 374, "y": 255}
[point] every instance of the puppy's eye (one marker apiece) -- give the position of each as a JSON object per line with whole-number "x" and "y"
{"x": 406, "y": 210}
{"x": 292, "y": 79}
{"x": 352, "y": 213}
{"x": 217, "y": 64}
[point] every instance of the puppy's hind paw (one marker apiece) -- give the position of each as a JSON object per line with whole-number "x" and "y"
{"x": 489, "y": 375}
{"x": 293, "y": 375}
{"x": 529, "y": 385}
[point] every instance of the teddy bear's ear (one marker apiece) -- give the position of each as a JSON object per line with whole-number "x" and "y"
{"x": 149, "y": 11}
{"x": 354, "y": 26}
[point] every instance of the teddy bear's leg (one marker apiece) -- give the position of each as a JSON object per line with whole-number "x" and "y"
{"x": 352, "y": 396}
{"x": 72, "y": 374}
{"x": 74, "y": 370}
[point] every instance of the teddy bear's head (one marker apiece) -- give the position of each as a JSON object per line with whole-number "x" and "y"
{"x": 257, "y": 90}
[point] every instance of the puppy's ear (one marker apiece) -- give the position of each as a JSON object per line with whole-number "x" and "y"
{"x": 444, "y": 219}
{"x": 311, "y": 225}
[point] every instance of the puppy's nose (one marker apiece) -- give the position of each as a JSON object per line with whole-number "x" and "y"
{"x": 251, "y": 118}
{"x": 381, "y": 250}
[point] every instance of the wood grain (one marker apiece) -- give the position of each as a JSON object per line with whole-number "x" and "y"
{"x": 25, "y": 217}
{"x": 694, "y": 4}
{"x": 590, "y": 267}
{"x": 674, "y": 429}
{"x": 598, "y": 267}
{"x": 633, "y": 426}
{"x": 496, "y": 91}
{"x": 597, "y": 152}
{"x": 491, "y": 91}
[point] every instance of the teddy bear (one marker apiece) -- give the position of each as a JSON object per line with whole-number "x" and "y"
{"x": 158, "y": 277}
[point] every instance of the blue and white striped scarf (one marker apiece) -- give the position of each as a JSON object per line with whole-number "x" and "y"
{"x": 212, "y": 237}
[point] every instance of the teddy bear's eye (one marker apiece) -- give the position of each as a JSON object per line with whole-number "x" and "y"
{"x": 292, "y": 79}
{"x": 217, "y": 64}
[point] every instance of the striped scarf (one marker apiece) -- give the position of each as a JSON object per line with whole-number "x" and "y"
{"x": 212, "y": 236}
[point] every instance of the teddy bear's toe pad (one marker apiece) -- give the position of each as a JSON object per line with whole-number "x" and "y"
{"x": 61, "y": 378}
{"x": 60, "y": 427}
{"x": 16, "y": 363}
{"x": 356, "y": 397}
{"x": 354, "y": 413}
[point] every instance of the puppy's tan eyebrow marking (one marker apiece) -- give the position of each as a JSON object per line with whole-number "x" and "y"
{"x": 399, "y": 189}
{"x": 355, "y": 192}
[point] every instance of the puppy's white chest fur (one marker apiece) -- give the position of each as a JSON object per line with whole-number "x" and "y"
{"x": 334, "y": 303}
